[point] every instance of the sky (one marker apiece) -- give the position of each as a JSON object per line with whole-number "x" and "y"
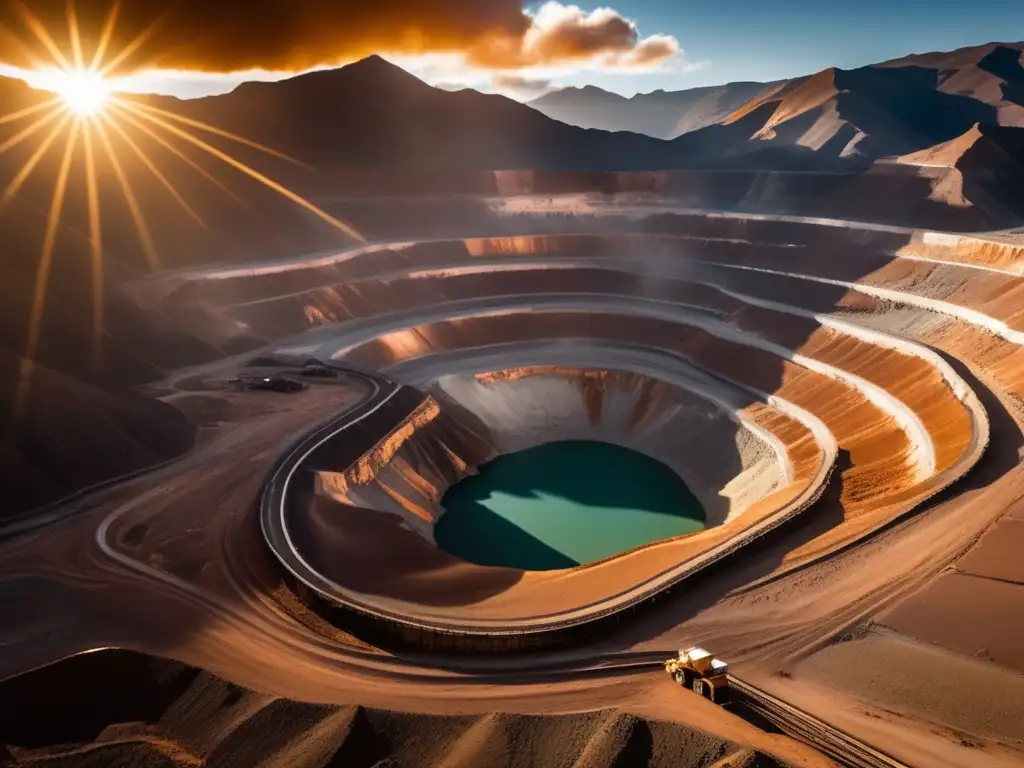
{"x": 201, "y": 47}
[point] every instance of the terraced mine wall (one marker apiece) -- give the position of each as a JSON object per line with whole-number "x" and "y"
{"x": 396, "y": 205}
{"x": 361, "y": 525}
{"x": 764, "y": 359}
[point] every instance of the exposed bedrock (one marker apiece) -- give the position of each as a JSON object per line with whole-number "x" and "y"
{"x": 235, "y": 306}
{"x": 692, "y": 423}
{"x": 364, "y": 532}
{"x": 780, "y": 367}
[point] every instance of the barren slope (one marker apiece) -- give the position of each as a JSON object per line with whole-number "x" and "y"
{"x": 167, "y": 714}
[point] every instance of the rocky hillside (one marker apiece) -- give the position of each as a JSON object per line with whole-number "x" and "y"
{"x": 662, "y": 114}
{"x": 833, "y": 119}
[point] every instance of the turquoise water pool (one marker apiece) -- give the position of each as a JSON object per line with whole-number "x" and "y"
{"x": 564, "y": 504}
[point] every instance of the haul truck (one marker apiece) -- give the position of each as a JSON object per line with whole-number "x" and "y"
{"x": 697, "y": 669}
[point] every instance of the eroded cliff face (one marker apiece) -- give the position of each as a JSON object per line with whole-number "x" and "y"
{"x": 471, "y": 418}
{"x": 409, "y": 470}
{"x": 724, "y": 463}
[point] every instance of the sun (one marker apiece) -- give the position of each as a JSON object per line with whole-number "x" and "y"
{"x": 85, "y": 93}
{"x": 92, "y": 110}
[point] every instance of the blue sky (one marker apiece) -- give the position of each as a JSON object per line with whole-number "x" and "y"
{"x": 773, "y": 39}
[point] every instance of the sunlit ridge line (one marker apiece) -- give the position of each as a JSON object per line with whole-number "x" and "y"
{"x": 30, "y": 165}
{"x": 219, "y": 132}
{"x": 43, "y": 277}
{"x": 181, "y": 155}
{"x": 145, "y": 238}
{"x": 280, "y": 189}
{"x": 95, "y": 246}
{"x": 154, "y": 170}
{"x": 36, "y": 27}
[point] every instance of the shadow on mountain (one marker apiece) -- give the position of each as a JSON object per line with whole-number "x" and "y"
{"x": 1005, "y": 63}
{"x": 910, "y": 96}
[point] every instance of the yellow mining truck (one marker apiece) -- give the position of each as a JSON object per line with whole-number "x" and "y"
{"x": 697, "y": 669}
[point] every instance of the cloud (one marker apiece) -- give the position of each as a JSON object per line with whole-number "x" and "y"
{"x": 561, "y": 34}
{"x": 521, "y": 86}
{"x": 293, "y": 35}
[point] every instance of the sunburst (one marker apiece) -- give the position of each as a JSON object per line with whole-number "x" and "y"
{"x": 83, "y": 92}
{"x": 90, "y": 118}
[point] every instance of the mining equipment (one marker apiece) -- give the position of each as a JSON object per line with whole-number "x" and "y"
{"x": 316, "y": 369}
{"x": 267, "y": 383}
{"x": 697, "y": 669}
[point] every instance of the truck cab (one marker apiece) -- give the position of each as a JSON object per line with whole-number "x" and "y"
{"x": 697, "y": 669}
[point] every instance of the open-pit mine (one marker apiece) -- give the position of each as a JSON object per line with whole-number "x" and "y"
{"x": 553, "y": 428}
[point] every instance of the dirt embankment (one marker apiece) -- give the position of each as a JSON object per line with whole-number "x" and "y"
{"x": 119, "y": 708}
{"x": 369, "y": 529}
{"x": 70, "y": 434}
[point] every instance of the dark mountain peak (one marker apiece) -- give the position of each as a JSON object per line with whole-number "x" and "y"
{"x": 371, "y": 72}
{"x": 375, "y": 65}
{"x": 366, "y": 77}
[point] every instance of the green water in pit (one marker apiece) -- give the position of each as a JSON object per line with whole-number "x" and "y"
{"x": 564, "y": 504}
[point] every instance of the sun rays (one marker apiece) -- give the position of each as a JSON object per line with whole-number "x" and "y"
{"x": 84, "y": 93}
{"x": 90, "y": 124}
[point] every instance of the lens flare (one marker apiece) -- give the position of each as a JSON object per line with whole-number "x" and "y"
{"x": 93, "y": 112}
{"x": 83, "y": 92}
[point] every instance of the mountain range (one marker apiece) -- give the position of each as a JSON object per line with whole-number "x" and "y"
{"x": 891, "y": 108}
{"x": 959, "y": 115}
{"x": 662, "y": 114}
{"x": 374, "y": 115}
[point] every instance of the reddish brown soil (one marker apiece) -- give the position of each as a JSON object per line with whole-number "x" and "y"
{"x": 197, "y": 585}
{"x": 972, "y": 615}
{"x": 997, "y": 555}
{"x": 908, "y": 681}
{"x": 163, "y": 713}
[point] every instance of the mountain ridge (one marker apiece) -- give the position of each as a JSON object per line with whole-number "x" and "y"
{"x": 659, "y": 113}
{"x": 371, "y": 119}
{"x": 990, "y": 76}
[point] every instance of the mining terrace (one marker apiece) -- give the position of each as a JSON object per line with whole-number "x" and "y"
{"x": 818, "y": 383}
